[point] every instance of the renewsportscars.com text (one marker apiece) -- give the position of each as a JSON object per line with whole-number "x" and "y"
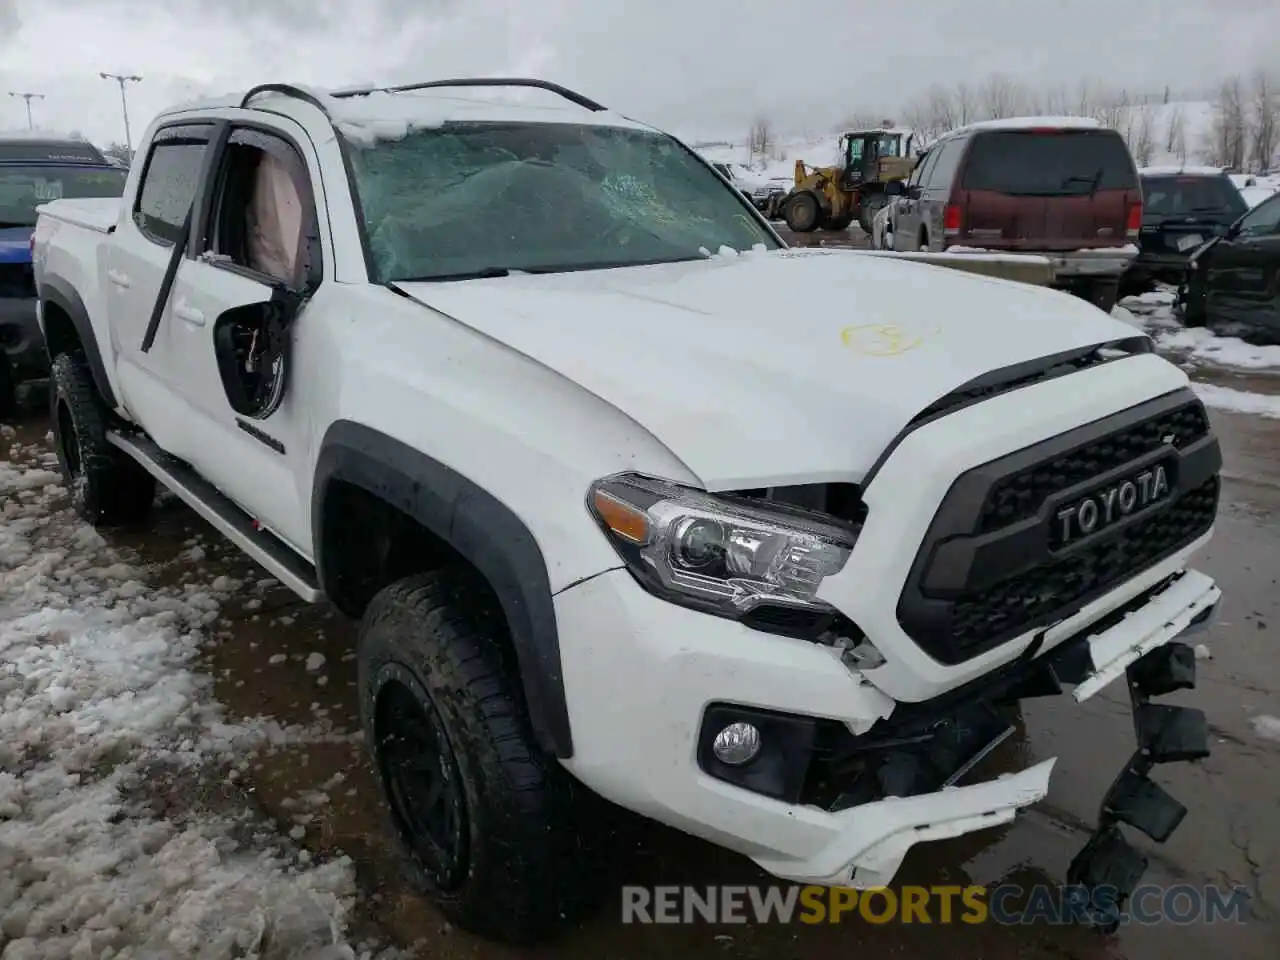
{"x": 1008, "y": 904}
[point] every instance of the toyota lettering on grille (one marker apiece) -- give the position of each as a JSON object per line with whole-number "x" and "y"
{"x": 1101, "y": 509}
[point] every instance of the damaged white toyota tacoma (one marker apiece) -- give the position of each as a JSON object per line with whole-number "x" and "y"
{"x": 633, "y": 503}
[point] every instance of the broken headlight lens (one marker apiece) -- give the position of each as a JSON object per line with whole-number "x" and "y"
{"x": 719, "y": 554}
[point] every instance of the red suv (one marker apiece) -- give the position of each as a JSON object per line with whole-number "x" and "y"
{"x": 1066, "y": 188}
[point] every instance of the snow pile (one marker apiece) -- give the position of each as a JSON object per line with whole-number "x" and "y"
{"x": 1153, "y": 313}
{"x": 1267, "y": 727}
{"x": 1238, "y": 401}
{"x": 99, "y": 699}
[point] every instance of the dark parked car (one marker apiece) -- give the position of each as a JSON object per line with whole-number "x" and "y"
{"x": 1182, "y": 209}
{"x": 32, "y": 172}
{"x": 1233, "y": 282}
{"x": 1065, "y": 188}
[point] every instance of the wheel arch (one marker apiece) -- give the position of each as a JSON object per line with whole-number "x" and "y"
{"x": 476, "y": 526}
{"x": 65, "y": 325}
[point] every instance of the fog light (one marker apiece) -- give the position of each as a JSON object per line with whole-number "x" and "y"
{"x": 736, "y": 744}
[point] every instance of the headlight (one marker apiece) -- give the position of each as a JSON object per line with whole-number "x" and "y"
{"x": 717, "y": 553}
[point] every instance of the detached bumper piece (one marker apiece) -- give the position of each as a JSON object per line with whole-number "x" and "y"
{"x": 1106, "y": 871}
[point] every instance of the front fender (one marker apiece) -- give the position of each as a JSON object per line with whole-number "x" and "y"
{"x": 482, "y": 529}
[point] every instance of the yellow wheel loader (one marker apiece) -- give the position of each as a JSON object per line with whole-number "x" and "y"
{"x": 833, "y": 197}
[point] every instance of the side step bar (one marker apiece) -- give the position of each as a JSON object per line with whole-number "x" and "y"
{"x": 237, "y": 526}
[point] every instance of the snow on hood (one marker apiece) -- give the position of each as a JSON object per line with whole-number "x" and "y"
{"x": 779, "y": 367}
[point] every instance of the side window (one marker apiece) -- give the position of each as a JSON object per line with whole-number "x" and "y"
{"x": 263, "y": 215}
{"x": 921, "y": 167}
{"x": 169, "y": 182}
{"x": 944, "y": 168}
{"x": 1263, "y": 220}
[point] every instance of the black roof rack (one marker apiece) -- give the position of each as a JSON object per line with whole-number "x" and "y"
{"x": 289, "y": 90}
{"x": 570, "y": 95}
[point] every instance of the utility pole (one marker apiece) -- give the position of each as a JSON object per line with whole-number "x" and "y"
{"x": 122, "y": 79}
{"x": 28, "y": 97}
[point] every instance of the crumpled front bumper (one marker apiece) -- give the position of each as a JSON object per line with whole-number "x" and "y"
{"x": 639, "y": 699}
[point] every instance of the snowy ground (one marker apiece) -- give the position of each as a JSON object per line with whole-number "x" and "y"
{"x": 122, "y": 833}
{"x": 1202, "y": 352}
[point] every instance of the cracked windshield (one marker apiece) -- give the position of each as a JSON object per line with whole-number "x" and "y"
{"x": 602, "y": 480}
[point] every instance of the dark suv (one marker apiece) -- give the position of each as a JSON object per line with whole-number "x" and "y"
{"x": 1183, "y": 208}
{"x": 32, "y": 172}
{"x": 1066, "y": 188}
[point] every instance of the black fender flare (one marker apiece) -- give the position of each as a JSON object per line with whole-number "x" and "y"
{"x": 57, "y": 291}
{"x": 480, "y": 528}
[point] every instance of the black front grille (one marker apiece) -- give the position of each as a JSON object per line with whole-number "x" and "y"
{"x": 993, "y": 566}
{"x": 17, "y": 281}
{"x": 1016, "y": 604}
{"x": 1022, "y": 495}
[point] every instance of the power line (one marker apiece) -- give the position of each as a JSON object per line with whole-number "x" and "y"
{"x": 122, "y": 79}
{"x": 27, "y": 97}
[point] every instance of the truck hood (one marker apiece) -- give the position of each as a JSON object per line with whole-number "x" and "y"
{"x": 772, "y": 368}
{"x": 15, "y": 244}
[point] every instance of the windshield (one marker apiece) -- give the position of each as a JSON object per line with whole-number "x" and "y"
{"x": 1216, "y": 197}
{"x": 1049, "y": 164}
{"x": 890, "y": 146}
{"x": 24, "y": 188}
{"x": 478, "y": 198}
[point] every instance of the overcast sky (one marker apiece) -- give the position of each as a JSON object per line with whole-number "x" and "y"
{"x": 701, "y": 68}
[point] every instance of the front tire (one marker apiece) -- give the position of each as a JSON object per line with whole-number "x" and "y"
{"x": 498, "y": 834}
{"x": 870, "y": 207}
{"x": 107, "y": 488}
{"x": 803, "y": 212}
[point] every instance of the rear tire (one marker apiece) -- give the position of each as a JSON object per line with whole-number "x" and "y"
{"x": 803, "y": 213}
{"x": 107, "y": 488}
{"x": 1103, "y": 294}
{"x": 514, "y": 851}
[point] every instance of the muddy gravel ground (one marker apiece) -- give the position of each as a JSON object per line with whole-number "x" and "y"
{"x": 277, "y": 656}
{"x": 851, "y": 239}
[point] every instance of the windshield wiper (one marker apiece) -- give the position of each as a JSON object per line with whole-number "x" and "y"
{"x": 5, "y": 224}
{"x": 484, "y": 273}
{"x": 1093, "y": 181}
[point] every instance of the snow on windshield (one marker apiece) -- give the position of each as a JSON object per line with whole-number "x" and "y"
{"x": 469, "y": 197}
{"x": 102, "y": 708}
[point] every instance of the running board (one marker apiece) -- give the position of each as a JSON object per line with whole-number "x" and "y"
{"x": 237, "y": 526}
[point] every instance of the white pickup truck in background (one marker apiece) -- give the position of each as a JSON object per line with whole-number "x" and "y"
{"x": 633, "y": 502}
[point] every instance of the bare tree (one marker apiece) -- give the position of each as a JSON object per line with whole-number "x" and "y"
{"x": 1142, "y": 141}
{"x": 1226, "y": 142}
{"x": 933, "y": 114}
{"x": 1113, "y": 110}
{"x": 1057, "y": 101}
{"x": 966, "y": 105}
{"x": 1175, "y": 138}
{"x": 761, "y": 142}
{"x": 1264, "y": 121}
{"x": 1002, "y": 96}
{"x": 118, "y": 152}
{"x": 1087, "y": 98}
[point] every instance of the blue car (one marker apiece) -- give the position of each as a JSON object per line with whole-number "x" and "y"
{"x": 32, "y": 172}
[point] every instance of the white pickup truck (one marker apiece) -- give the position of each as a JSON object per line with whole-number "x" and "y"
{"x": 626, "y": 494}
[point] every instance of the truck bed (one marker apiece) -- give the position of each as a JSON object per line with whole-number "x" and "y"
{"x": 94, "y": 213}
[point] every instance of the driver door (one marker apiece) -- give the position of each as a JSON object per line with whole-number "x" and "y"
{"x": 259, "y": 244}
{"x": 906, "y": 208}
{"x": 1243, "y": 281}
